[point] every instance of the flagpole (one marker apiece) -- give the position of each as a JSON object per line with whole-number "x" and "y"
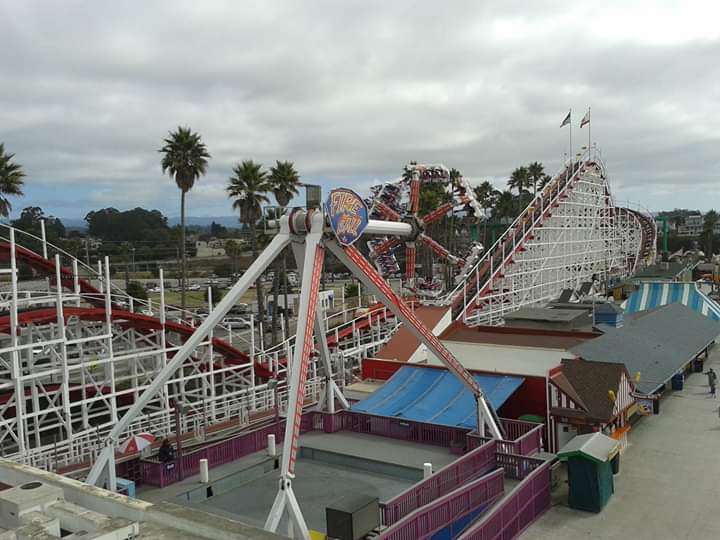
{"x": 589, "y": 129}
{"x": 571, "y": 151}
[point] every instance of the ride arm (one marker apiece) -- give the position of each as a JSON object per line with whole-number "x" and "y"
{"x": 364, "y": 271}
{"x": 106, "y": 457}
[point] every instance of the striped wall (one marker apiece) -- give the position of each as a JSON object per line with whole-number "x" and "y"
{"x": 624, "y": 398}
{"x": 655, "y": 294}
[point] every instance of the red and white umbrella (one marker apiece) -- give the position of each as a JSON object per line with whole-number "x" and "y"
{"x": 136, "y": 443}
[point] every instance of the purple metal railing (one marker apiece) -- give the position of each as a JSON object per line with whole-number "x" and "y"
{"x": 427, "y": 520}
{"x": 397, "y": 428}
{"x": 158, "y": 474}
{"x": 527, "y": 502}
{"x": 527, "y": 443}
{"x": 514, "y": 429}
{"x": 462, "y": 470}
{"x": 518, "y": 467}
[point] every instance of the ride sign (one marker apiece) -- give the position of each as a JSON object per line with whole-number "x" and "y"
{"x": 348, "y": 215}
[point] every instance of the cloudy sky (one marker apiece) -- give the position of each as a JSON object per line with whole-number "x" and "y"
{"x": 350, "y": 91}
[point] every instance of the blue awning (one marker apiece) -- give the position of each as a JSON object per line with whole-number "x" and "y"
{"x": 435, "y": 396}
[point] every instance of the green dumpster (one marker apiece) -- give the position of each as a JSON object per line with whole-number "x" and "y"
{"x": 590, "y": 473}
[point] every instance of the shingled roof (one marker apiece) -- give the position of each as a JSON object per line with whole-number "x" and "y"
{"x": 656, "y": 343}
{"x": 591, "y": 382}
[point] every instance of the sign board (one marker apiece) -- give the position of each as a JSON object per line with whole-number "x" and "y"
{"x": 645, "y": 404}
{"x": 348, "y": 215}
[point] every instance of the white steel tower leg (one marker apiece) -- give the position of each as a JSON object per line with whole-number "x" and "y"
{"x": 366, "y": 273}
{"x": 105, "y": 464}
{"x": 331, "y": 390}
{"x": 285, "y": 501}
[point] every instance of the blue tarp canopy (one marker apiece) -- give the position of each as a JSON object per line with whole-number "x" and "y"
{"x": 435, "y": 396}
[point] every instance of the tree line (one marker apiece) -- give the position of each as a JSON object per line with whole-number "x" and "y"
{"x": 185, "y": 159}
{"x": 504, "y": 206}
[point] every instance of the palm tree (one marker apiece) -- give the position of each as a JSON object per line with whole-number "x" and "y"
{"x": 536, "y": 172}
{"x": 11, "y": 180}
{"x": 505, "y": 206}
{"x": 519, "y": 179}
{"x": 544, "y": 181}
{"x": 284, "y": 181}
{"x": 486, "y": 196}
{"x": 186, "y": 158}
{"x": 248, "y": 187}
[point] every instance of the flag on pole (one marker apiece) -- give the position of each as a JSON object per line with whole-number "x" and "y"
{"x": 585, "y": 119}
{"x": 567, "y": 119}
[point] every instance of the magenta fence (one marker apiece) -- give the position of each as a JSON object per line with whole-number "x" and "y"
{"x": 531, "y": 442}
{"x": 514, "y": 429}
{"x": 163, "y": 474}
{"x": 527, "y": 443}
{"x": 528, "y": 501}
{"x": 424, "y": 522}
{"x": 449, "y": 478}
{"x": 518, "y": 467}
{"x": 405, "y": 430}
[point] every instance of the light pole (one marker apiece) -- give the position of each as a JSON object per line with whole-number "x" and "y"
{"x": 273, "y": 384}
{"x": 178, "y": 439}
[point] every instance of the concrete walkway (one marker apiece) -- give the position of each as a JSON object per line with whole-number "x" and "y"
{"x": 669, "y": 486}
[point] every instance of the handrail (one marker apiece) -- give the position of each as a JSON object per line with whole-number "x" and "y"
{"x": 423, "y": 522}
{"x": 588, "y": 156}
{"x": 517, "y": 511}
{"x": 514, "y": 230}
{"x": 455, "y": 474}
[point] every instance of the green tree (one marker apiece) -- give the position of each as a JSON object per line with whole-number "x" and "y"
{"x": 486, "y": 196}
{"x": 233, "y": 250}
{"x": 248, "y": 187}
{"x": 505, "y": 207}
{"x": 11, "y": 180}
{"x": 185, "y": 157}
{"x": 284, "y": 181}
{"x": 711, "y": 219}
{"x": 217, "y": 230}
{"x": 536, "y": 174}
{"x": 126, "y": 250}
{"x": 520, "y": 180}
{"x": 136, "y": 290}
{"x": 217, "y": 294}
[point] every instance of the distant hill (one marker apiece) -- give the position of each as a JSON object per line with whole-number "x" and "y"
{"x": 225, "y": 221}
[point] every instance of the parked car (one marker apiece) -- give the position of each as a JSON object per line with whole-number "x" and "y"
{"x": 239, "y": 309}
{"x": 236, "y": 322}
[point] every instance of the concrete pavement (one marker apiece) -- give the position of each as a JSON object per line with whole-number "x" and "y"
{"x": 669, "y": 486}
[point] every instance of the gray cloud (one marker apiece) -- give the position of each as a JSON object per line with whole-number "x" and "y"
{"x": 351, "y": 91}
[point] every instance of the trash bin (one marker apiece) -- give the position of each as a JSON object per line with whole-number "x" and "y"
{"x": 615, "y": 463}
{"x": 678, "y": 381}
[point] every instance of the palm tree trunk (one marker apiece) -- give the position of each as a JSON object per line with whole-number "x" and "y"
{"x": 182, "y": 250}
{"x": 258, "y": 283}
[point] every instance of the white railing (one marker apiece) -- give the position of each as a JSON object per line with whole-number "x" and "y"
{"x": 518, "y": 230}
{"x": 86, "y": 445}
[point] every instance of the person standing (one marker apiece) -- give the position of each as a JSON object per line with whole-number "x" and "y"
{"x": 712, "y": 381}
